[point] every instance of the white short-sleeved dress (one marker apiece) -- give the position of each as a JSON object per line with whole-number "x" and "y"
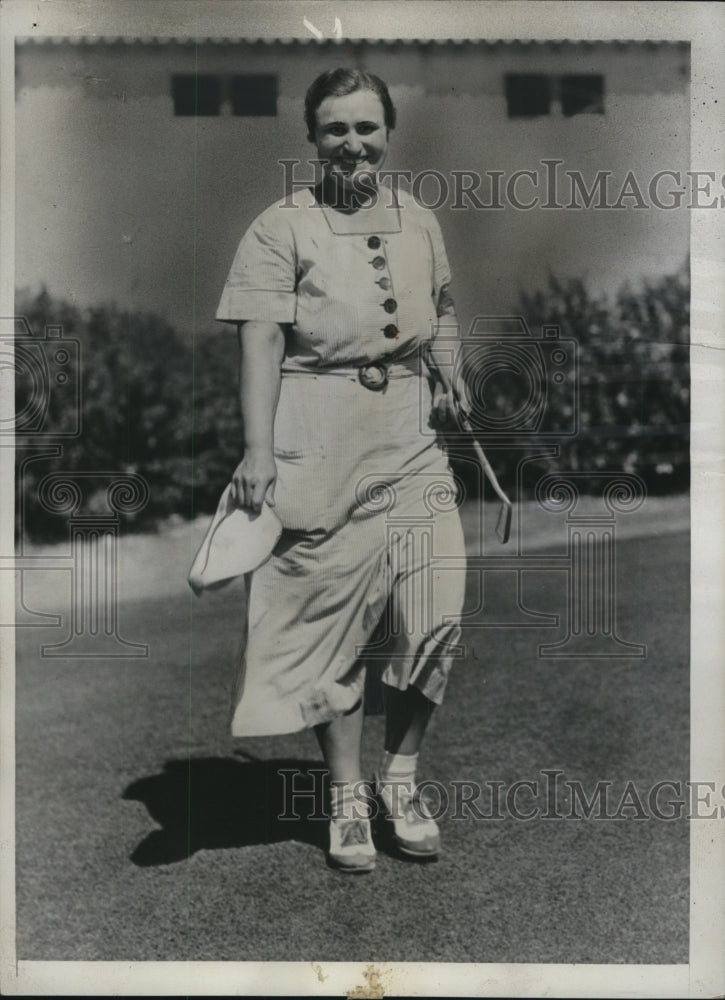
{"x": 370, "y": 567}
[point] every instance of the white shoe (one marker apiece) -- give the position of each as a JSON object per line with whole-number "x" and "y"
{"x": 415, "y": 831}
{"x": 351, "y": 845}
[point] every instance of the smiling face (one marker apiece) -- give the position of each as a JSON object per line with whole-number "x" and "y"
{"x": 351, "y": 135}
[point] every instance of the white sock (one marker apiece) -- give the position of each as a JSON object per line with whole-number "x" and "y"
{"x": 397, "y": 776}
{"x": 348, "y": 800}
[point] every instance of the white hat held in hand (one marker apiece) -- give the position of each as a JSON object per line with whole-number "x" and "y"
{"x": 237, "y": 541}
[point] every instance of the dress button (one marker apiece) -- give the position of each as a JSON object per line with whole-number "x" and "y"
{"x": 378, "y": 262}
{"x": 390, "y": 331}
{"x": 390, "y": 305}
{"x": 384, "y": 283}
{"x": 374, "y": 242}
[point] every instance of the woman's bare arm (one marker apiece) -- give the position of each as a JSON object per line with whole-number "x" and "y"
{"x": 261, "y": 353}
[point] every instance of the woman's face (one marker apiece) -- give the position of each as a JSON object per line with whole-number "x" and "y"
{"x": 351, "y": 136}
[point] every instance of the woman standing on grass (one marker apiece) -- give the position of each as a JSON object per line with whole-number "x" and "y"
{"x": 335, "y": 291}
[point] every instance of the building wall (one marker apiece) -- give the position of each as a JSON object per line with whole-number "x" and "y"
{"x": 118, "y": 199}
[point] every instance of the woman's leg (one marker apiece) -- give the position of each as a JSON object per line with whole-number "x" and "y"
{"x": 428, "y": 602}
{"x": 340, "y": 742}
{"x": 407, "y": 714}
{"x": 351, "y": 846}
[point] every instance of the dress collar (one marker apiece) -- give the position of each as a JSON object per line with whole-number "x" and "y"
{"x": 381, "y": 217}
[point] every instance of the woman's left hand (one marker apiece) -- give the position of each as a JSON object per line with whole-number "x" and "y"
{"x": 444, "y": 411}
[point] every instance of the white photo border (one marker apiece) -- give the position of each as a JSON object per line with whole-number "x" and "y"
{"x": 703, "y": 25}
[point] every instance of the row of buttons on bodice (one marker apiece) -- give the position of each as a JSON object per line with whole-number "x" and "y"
{"x": 389, "y": 305}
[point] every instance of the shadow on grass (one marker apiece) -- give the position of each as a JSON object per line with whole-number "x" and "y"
{"x": 216, "y": 802}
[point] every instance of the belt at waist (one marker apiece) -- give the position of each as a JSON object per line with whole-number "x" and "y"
{"x": 392, "y": 369}
{"x": 373, "y": 375}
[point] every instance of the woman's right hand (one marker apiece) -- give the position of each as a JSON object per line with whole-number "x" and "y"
{"x": 254, "y": 480}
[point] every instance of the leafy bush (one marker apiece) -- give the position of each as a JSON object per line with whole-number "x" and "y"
{"x": 634, "y": 386}
{"x": 151, "y": 405}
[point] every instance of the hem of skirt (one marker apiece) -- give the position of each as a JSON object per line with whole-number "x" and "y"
{"x": 242, "y": 732}
{"x": 316, "y": 711}
{"x": 432, "y": 686}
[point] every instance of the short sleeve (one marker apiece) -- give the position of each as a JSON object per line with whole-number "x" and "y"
{"x": 261, "y": 282}
{"x": 441, "y": 268}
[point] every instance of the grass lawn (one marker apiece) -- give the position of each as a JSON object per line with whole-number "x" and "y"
{"x": 144, "y": 832}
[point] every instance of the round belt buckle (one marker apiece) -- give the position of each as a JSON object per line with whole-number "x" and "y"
{"x": 374, "y": 376}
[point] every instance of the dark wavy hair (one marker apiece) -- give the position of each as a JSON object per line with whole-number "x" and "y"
{"x": 339, "y": 83}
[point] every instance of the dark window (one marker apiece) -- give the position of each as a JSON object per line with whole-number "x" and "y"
{"x": 527, "y": 94}
{"x": 196, "y": 94}
{"x": 254, "y": 94}
{"x": 582, "y": 94}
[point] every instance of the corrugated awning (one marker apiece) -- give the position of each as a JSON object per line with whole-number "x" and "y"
{"x": 312, "y": 40}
